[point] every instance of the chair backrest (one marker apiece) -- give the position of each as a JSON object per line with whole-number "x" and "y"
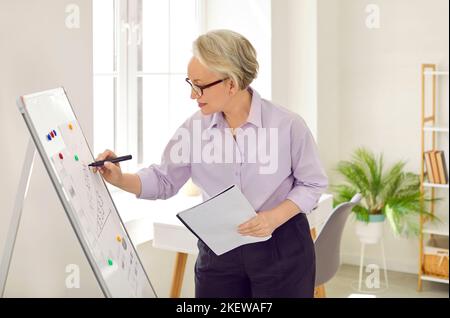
{"x": 328, "y": 242}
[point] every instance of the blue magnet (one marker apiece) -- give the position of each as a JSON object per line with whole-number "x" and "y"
{"x": 49, "y": 138}
{"x": 54, "y": 131}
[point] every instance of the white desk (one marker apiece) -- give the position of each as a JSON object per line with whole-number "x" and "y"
{"x": 156, "y": 220}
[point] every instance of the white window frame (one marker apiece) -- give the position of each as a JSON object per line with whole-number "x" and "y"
{"x": 128, "y": 37}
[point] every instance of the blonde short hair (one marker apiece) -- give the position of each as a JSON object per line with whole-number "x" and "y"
{"x": 228, "y": 53}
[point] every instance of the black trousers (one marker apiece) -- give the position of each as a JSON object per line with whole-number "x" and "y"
{"x": 283, "y": 266}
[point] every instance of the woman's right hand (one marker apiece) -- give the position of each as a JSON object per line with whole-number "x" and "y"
{"x": 111, "y": 172}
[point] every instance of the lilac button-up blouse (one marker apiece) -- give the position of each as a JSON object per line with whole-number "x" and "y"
{"x": 273, "y": 157}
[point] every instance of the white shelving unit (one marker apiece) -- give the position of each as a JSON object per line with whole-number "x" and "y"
{"x": 430, "y": 129}
{"x": 434, "y": 185}
{"x": 438, "y": 229}
{"x": 436, "y": 129}
{"x": 434, "y": 279}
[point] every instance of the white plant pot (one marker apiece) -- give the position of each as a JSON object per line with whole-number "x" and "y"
{"x": 370, "y": 233}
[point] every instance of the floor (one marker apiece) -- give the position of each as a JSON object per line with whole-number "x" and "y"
{"x": 401, "y": 285}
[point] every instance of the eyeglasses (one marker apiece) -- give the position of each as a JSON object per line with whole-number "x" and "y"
{"x": 199, "y": 89}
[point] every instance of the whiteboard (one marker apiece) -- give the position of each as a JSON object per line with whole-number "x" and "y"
{"x": 88, "y": 204}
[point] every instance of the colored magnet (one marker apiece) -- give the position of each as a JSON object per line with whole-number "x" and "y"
{"x": 110, "y": 262}
{"x": 118, "y": 238}
{"x": 54, "y": 132}
{"x": 61, "y": 156}
{"x": 76, "y": 158}
{"x": 49, "y": 138}
{"x": 70, "y": 126}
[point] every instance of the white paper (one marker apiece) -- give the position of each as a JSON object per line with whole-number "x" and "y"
{"x": 216, "y": 220}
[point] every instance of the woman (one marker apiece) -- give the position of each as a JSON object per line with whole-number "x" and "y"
{"x": 282, "y": 187}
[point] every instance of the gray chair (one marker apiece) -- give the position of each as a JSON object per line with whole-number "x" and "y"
{"x": 328, "y": 242}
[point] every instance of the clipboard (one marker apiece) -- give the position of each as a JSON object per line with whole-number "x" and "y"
{"x": 216, "y": 220}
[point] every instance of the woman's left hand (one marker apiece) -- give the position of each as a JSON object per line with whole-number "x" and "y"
{"x": 263, "y": 224}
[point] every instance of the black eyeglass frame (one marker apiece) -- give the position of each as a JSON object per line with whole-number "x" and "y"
{"x": 203, "y": 87}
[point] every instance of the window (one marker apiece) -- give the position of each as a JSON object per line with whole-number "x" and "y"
{"x": 168, "y": 30}
{"x": 141, "y": 52}
{"x": 105, "y": 74}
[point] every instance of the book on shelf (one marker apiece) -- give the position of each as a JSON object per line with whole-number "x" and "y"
{"x": 442, "y": 167}
{"x": 436, "y": 168}
{"x": 429, "y": 170}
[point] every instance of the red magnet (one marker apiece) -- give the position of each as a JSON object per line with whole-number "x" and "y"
{"x": 61, "y": 156}
{"x": 52, "y": 134}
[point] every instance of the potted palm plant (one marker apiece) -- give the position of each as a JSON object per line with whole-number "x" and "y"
{"x": 391, "y": 194}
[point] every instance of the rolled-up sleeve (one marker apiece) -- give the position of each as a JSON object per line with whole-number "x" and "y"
{"x": 310, "y": 180}
{"x": 165, "y": 180}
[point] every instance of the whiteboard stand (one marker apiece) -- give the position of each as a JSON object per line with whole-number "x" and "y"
{"x": 101, "y": 233}
{"x": 13, "y": 228}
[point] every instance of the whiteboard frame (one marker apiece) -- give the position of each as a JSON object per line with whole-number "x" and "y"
{"x": 67, "y": 207}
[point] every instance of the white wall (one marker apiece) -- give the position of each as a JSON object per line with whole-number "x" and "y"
{"x": 294, "y": 57}
{"x": 305, "y": 67}
{"x": 38, "y": 52}
{"x": 328, "y": 83}
{"x": 379, "y": 78}
{"x": 252, "y": 19}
